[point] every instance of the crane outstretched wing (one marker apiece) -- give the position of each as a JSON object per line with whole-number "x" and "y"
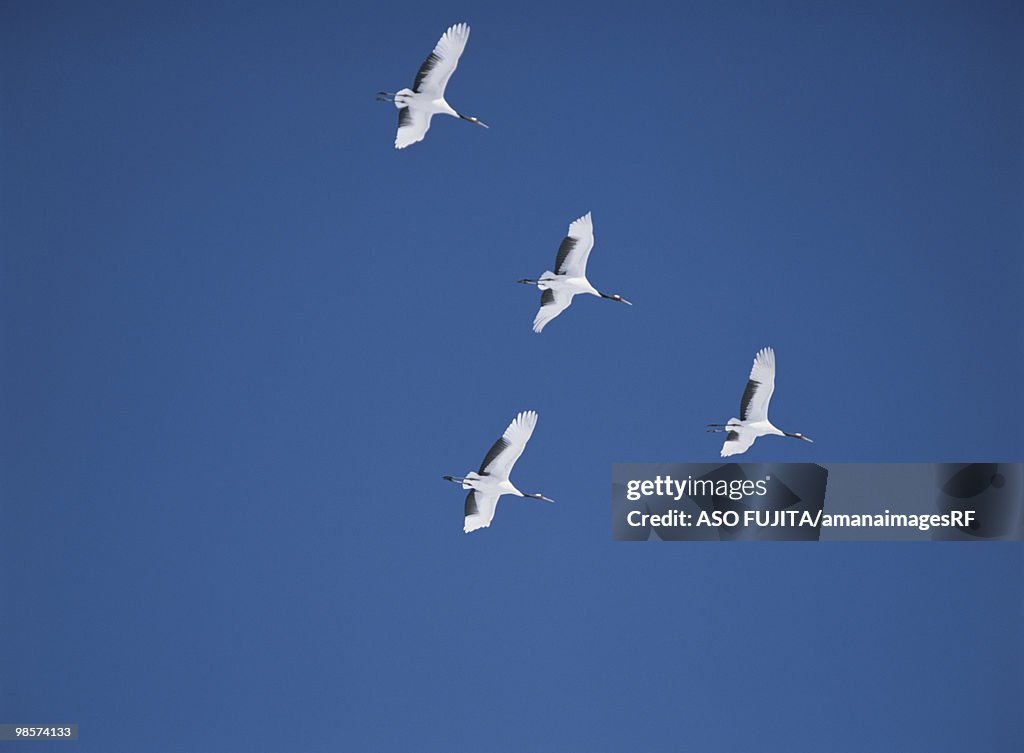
{"x": 759, "y": 389}
{"x": 552, "y": 303}
{"x": 575, "y": 249}
{"x": 412, "y": 127}
{"x": 479, "y": 510}
{"x": 737, "y": 441}
{"x": 506, "y": 451}
{"x": 440, "y": 64}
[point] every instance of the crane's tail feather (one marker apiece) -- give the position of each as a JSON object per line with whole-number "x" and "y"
{"x": 402, "y": 97}
{"x": 545, "y": 278}
{"x": 466, "y": 481}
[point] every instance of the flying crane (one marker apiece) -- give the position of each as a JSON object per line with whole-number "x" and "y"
{"x": 570, "y": 276}
{"x": 753, "y": 421}
{"x": 491, "y": 481}
{"x": 418, "y": 105}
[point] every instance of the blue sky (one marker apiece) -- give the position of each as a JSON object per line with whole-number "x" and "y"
{"x": 243, "y": 338}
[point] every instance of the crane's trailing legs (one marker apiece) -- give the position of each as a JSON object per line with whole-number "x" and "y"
{"x": 400, "y": 98}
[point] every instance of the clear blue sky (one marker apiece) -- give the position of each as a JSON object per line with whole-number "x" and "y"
{"x": 243, "y": 338}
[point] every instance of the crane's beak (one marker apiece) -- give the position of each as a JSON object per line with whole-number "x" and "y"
{"x": 806, "y": 439}
{"x": 472, "y": 119}
{"x": 541, "y": 496}
{"x": 615, "y": 297}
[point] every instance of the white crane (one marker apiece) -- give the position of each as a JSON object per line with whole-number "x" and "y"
{"x": 570, "y": 276}
{"x": 418, "y": 105}
{"x": 491, "y": 481}
{"x": 753, "y": 421}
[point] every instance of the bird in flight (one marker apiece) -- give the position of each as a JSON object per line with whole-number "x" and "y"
{"x": 570, "y": 276}
{"x": 418, "y": 105}
{"x": 753, "y": 421}
{"x": 491, "y": 481}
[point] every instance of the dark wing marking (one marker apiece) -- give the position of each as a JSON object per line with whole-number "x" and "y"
{"x": 563, "y": 253}
{"x": 748, "y": 395}
{"x": 547, "y": 297}
{"x": 471, "y": 508}
{"x": 731, "y": 436}
{"x": 404, "y": 117}
{"x": 428, "y": 65}
{"x": 496, "y": 449}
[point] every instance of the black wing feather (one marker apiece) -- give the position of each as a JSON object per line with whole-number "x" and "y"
{"x": 496, "y": 449}
{"x": 404, "y": 117}
{"x": 563, "y": 252}
{"x": 748, "y": 395}
{"x": 471, "y": 508}
{"x": 428, "y": 65}
{"x": 547, "y": 296}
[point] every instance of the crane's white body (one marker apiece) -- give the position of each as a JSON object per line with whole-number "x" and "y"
{"x": 569, "y": 279}
{"x": 753, "y": 421}
{"x": 742, "y": 435}
{"x": 416, "y": 106}
{"x": 492, "y": 480}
